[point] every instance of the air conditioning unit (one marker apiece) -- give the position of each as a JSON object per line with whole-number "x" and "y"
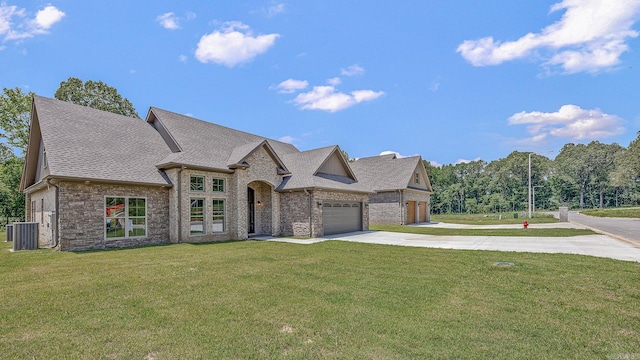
{"x": 25, "y": 236}
{"x": 9, "y": 230}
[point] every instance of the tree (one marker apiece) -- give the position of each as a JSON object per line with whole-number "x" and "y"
{"x": 95, "y": 94}
{"x": 11, "y": 200}
{"x": 15, "y": 109}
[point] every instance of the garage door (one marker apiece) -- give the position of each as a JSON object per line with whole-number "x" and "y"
{"x": 411, "y": 212}
{"x": 341, "y": 217}
{"x": 423, "y": 211}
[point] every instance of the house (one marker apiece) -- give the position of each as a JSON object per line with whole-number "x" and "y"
{"x": 402, "y": 189}
{"x": 95, "y": 179}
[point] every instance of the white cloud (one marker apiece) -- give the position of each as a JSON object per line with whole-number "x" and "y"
{"x": 290, "y": 86}
{"x": 327, "y": 99}
{"x": 590, "y": 37}
{"x": 172, "y": 22}
{"x": 288, "y": 139}
{"x": 352, "y": 70}
{"x": 334, "y": 81}
{"x": 434, "y": 163}
{"x": 570, "y": 122}
{"x": 275, "y": 9}
{"x": 233, "y": 44}
{"x": 390, "y": 152}
{"x": 24, "y": 27}
{"x": 182, "y": 58}
{"x": 168, "y": 21}
{"x": 466, "y": 161}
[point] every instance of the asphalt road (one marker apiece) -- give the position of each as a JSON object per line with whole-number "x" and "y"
{"x": 621, "y": 228}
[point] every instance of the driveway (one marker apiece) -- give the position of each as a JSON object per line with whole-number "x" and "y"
{"x": 622, "y": 228}
{"x": 593, "y": 245}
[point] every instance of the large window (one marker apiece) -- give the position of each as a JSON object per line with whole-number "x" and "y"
{"x": 197, "y": 183}
{"x": 218, "y": 185}
{"x": 125, "y": 217}
{"x": 218, "y": 216}
{"x": 197, "y": 216}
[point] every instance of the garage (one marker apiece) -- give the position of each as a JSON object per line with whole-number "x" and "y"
{"x": 341, "y": 217}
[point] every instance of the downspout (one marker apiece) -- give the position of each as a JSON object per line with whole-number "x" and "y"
{"x": 180, "y": 204}
{"x": 310, "y": 218}
{"x": 56, "y": 227}
{"x": 403, "y": 208}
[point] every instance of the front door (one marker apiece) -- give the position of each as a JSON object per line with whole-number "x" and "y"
{"x": 251, "y": 197}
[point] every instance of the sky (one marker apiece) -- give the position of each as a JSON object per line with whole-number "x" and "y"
{"x": 452, "y": 81}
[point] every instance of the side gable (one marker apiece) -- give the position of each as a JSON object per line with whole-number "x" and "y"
{"x": 87, "y": 144}
{"x": 336, "y": 164}
{"x": 419, "y": 178}
{"x": 30, "y": 171}
{"x": 240, "y": 154}
{"x": 155, "y": 122}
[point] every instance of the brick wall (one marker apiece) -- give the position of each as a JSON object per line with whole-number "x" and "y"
{"x": 82, "y": 215}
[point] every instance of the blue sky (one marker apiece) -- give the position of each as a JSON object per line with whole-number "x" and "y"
{"x": 449, "y": 80}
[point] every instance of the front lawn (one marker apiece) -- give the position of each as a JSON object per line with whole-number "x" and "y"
{"x": 425, "y": 230}
{"x": 493, "y": 218}
{"x": 253, "y": 299}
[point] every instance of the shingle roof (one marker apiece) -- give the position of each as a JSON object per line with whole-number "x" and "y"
{"x": 385, "y": 172}
{"x": 86, "y": 143}
{"x": 303, "y": 166}
{"x": 208, "y": 145}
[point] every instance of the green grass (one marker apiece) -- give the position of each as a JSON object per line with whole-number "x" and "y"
{"x": 559, "y": 232}
{"x": 246, "y": 300}
{"x": 625, "y": 212}
{"x": 491, "y": 219}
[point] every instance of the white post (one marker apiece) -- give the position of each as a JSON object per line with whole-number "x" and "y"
{"x": 529, "y": 195}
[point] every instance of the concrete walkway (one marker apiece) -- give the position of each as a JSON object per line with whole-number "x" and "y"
{"x": 593, "y": 245}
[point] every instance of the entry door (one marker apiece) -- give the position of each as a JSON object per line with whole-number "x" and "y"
{"x": 251, "y": 206}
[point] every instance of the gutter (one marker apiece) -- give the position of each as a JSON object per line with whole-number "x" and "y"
{"x": 56, "y": 227}
{"x": 180, "y": 204}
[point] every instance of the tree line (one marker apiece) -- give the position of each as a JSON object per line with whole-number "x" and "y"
{"x": 581, "y": 176}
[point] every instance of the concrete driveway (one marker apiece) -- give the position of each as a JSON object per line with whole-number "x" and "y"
{"x": 593, "y": 245}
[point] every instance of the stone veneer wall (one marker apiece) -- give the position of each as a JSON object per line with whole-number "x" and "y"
{"x": 82, "y": 217}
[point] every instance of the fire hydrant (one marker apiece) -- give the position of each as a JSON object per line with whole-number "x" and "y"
{"x": 525, "y": 224}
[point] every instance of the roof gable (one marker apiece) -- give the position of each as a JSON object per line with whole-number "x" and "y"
{"x": 336, "y": 164}
{"x": 201, "y": 144}
{"x": 90, "y": 144}
{"x": 238, "y": 156}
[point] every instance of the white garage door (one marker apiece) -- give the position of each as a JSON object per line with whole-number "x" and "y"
{"x": 341, "y": 217}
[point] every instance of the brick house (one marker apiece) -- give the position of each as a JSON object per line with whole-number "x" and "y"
{"x": 95, "y": 179}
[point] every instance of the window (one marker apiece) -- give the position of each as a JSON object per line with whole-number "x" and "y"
{"x": 217, "y": 220}
{"x": 417, "y": 178}
{"x": 41, "y": 211}
{"x": 125, "y": 217}
{"x": 197, "y": 216}
{"x": 197, "y": 183}
{"x": 218, "y": 185}
{"x": 33, "y": 211}
{"x": 45, "y": 163}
